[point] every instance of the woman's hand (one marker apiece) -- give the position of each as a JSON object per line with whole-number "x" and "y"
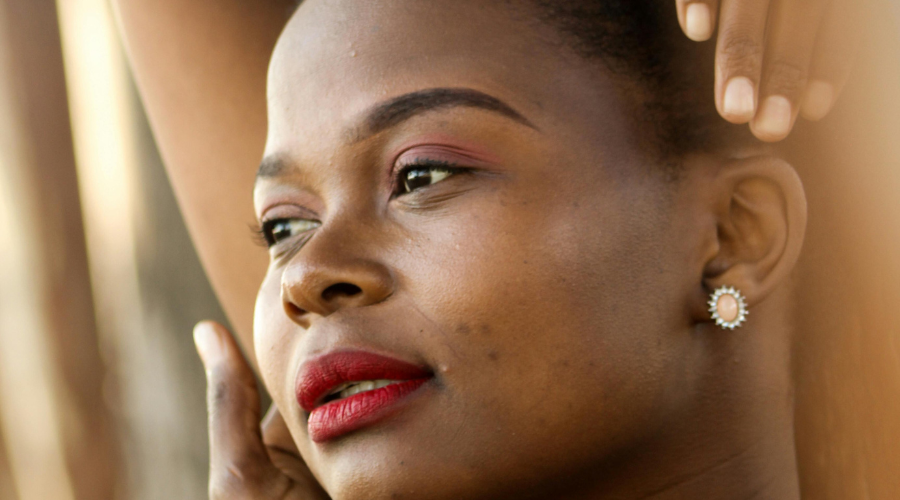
{"x": 243, "y": 463}
{"x": 777, "y": 58}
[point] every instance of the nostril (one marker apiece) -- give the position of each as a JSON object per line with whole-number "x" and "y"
{"x": 340, "y": 289}
{"x": 293, "y": 311}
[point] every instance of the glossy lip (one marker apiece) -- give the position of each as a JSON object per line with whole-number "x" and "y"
{"x": 320, "y": 376}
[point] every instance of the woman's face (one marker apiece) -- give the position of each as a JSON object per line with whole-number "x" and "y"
{"x": 447, "y": 188}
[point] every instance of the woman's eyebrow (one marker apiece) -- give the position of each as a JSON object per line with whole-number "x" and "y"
{"x": 399, "y": 109}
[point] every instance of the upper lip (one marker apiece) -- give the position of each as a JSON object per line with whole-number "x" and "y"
{"x": 319, "y": 376}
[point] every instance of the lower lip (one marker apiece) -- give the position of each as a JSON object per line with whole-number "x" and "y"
{"x": 337, "y": 418}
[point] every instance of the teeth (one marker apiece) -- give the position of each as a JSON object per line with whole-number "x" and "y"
{"x": 339, "y": 388}
{"x": 351, "y": 388}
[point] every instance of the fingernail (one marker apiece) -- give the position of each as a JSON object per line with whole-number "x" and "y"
{"x": 698, "y": 22}
{"x": 739, "y": 102}
{"x": 818, "y": 100}
{"x": 774, "y": 120}
{"x": 207, "y": 341}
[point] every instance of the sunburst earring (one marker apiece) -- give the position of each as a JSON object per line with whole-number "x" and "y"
{"x": 727, "y": 307}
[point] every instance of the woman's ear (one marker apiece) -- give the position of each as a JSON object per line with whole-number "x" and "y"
{"x": 759, "y": 208}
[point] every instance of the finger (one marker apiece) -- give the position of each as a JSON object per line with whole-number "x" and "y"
{"x": 739, "y": 57}
{"x": 837, "y": 45}
{"x": 793, "y": 26}
{"x": 276, "y": 434}
{"x": 697, "y": 18}
{"x": 285, "y": 456}
{"x": 239, "y": 464}
{"x": 281, "y": 448}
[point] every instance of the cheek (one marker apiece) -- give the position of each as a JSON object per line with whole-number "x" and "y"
{"x": 273, "y": 340}
{"x": 543, "y": 319}
{"x": 502, "y": 269}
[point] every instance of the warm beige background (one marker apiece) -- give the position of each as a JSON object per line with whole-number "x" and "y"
{"x": 101, "y": 393}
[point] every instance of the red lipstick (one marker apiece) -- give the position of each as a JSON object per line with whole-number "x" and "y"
{"x": 322, "y": 381}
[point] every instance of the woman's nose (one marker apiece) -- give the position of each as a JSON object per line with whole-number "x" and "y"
{"x": 322, "y": 286}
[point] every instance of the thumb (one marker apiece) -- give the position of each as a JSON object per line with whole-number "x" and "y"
{"x": 239, "y": 461}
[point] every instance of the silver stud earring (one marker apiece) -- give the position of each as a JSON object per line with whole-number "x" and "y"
{"x": 727, "y": 307}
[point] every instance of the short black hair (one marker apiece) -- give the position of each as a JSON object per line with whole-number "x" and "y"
{"x": 670, "y": 76}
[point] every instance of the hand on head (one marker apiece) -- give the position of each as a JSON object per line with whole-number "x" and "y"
{"x": 776, "y": 59}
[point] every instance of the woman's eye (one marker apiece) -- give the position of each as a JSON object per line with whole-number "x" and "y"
{"x": 413, "y": 178}
{"x": 277, "y": 230}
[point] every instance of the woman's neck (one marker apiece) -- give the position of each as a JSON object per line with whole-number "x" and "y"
{"x": 735, "y": 442}
{"x": 719, "y": 465}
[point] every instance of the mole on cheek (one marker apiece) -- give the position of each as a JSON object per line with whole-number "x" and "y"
{"x": 493, "y": 355}
{"x": 463, "y": 328}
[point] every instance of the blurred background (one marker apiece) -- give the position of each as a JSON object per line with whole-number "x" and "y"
{"x": 101, "y": 393}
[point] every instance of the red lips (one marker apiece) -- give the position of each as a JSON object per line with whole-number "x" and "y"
{"x": 318, "y": 378}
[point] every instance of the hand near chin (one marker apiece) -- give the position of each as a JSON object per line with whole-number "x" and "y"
{"x": 243, "y": 463}
{"x": 776, "y": 59}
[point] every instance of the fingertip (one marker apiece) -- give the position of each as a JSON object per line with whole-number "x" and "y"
{"x": 774, "y": 120}
{"x": 698, "y": 25}
{"x": 817, "y": 101}
{"x": 739, "y": 100}
{"x": 208, "y": 342}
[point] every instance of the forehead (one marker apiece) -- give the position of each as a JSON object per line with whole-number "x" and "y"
{"x": 337, "y": 58}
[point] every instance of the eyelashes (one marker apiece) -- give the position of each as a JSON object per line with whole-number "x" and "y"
{"x": 421, "y": 173}
{"x": 262, "y": 236}
{"x": 258, "y": 236}
{"x": 274, "y": 231}
{"x": 417, "y": 175}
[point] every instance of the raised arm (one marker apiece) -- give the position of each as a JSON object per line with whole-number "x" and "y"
{"x": 200, "y": 67}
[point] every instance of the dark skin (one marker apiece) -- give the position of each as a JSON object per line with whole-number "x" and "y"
{"x": 201, "y": 69}
{"x": 556, "y": 286}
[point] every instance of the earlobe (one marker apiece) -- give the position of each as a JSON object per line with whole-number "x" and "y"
{"x": 760, "y": 210}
